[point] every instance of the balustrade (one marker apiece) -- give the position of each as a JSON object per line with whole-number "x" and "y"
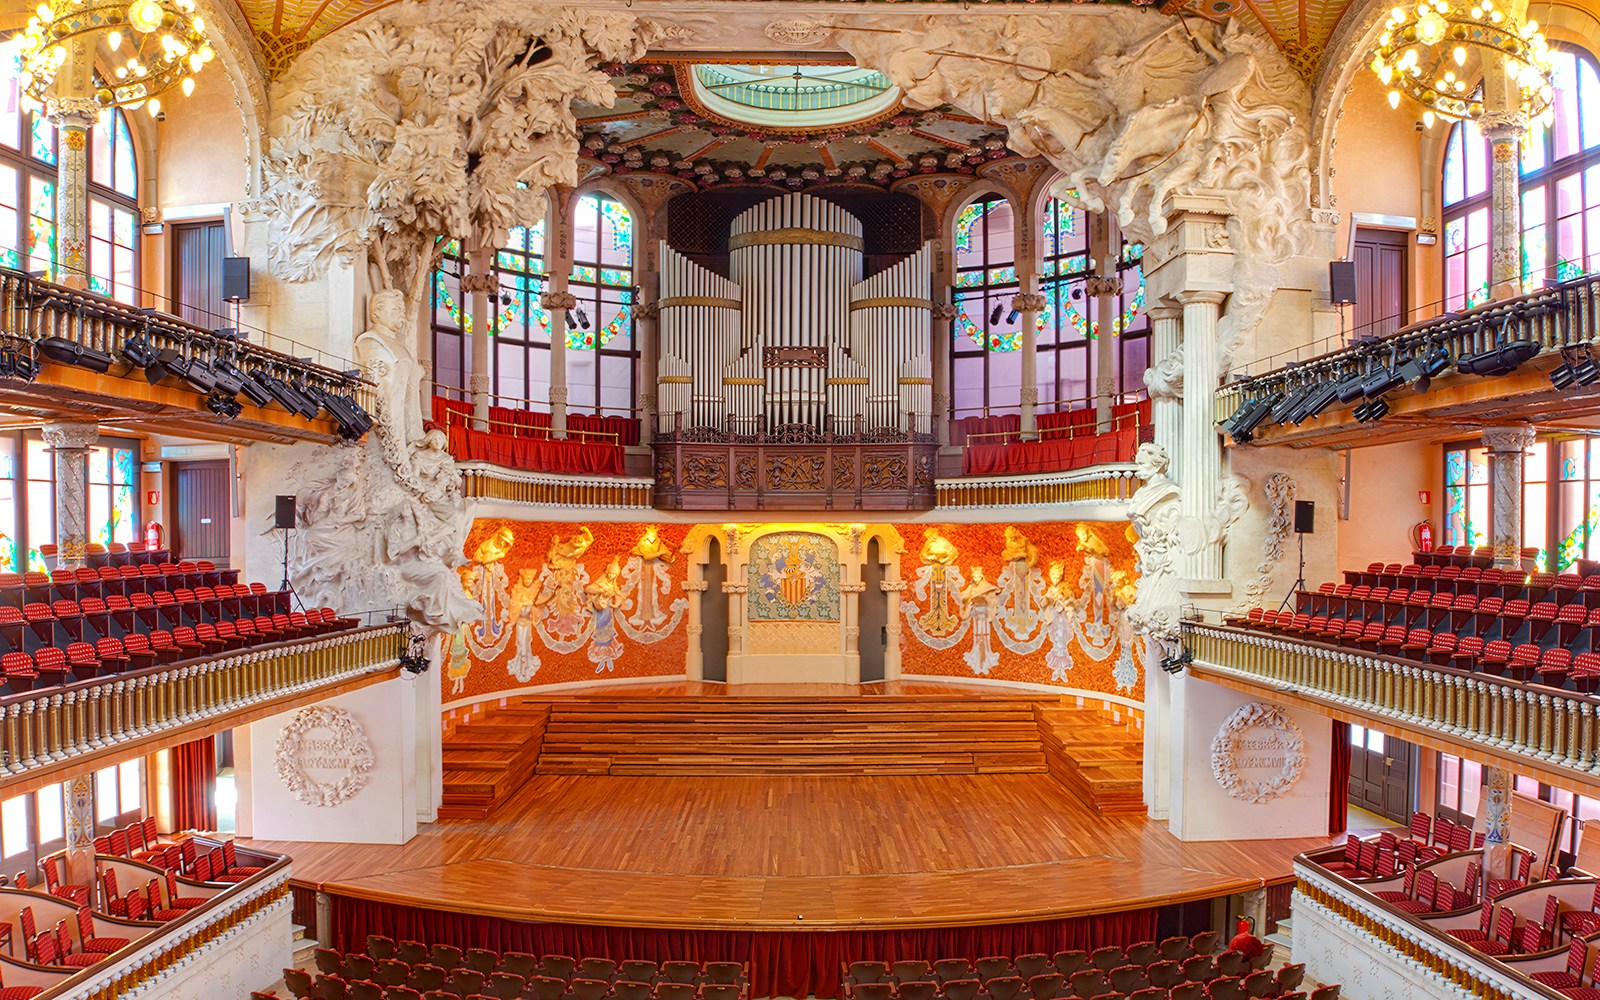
{"x": 42, "y": 728}
{"x": 1555, "y": 728}
{"x": 1111, "y": 482}
{"x": 492, "y": 482}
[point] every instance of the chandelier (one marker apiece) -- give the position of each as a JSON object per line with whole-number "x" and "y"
{"x": 155, "y": 45}
{"x": 1423, "y": 50}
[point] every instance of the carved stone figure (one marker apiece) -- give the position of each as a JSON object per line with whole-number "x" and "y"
{"x": 1154, "y": 512}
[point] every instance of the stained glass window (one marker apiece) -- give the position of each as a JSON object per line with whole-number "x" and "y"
{"x": 986, "y": 364}
{"x": 1560, "y": 211}
{"x": 1466, "y": 491}
{"x": 600, "y": 347}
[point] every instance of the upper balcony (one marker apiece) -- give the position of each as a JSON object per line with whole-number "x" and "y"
{"x": 1523, "y": 359}
{"x": 74, "y": 355}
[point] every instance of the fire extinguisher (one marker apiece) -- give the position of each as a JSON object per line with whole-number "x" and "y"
{"x": 152, "y": 536}
{"x": 1422, "y": 534}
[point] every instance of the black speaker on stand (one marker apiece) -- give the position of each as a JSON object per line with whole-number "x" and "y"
{"x": 1305, "y": 523}
{"x": 283, "y": 520}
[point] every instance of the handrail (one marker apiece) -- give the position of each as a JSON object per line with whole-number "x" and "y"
{"x": 1051, "y": 406}
{"x": 1560, "y": 315}
{"x": 1109, "y": 482}
{"x": 32, "y": 309}
{"x": 41, "y": 728}
{"x": 1551, "y": 729}
{"x": 454, "y": 418}
{"x": 519, "y": 403}
{"x": 484, "y": 481}
{"x": 1067, "y": 431}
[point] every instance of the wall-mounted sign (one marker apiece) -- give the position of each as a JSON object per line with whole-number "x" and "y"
{"x": 1424, "y": 497}
{"x": 152, "y": 497}
{"x": 323, "y": 756}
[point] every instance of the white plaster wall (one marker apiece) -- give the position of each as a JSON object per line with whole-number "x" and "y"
{"x": 384, "y": 812}
{"x": 1383, "y": 501}
{"x": 1200, "y": 809}
{"x": 1316, "y": 475}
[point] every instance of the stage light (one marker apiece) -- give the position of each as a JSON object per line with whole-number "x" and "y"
{"x": 16, "y": 364}
{"x": 1320, "y": 398}
{"x": 1011, "y": 317}
{"x": 1380, "y": 380}
{"x": 199, "y": 375}
{"x": 572, "y": 321}
{"x": 1577, "y": 368}
{"x": 583, "y": 319}
{"x": 223, "y": 404}
{"x": 166, "y": 362}
{"x": 70, "y": 352}
{"x": 1371, "y": 410}
{"x": 138, "y": 351}
{"x": 1241, "y": 426}
{"x": 1419, "y": 371}
{"x": 1502, "y": 359}
{"x": 996, "y": 313}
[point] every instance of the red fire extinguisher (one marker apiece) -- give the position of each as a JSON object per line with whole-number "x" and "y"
{"x": 152, "y": 536}
{"x": 1424, "y": 533}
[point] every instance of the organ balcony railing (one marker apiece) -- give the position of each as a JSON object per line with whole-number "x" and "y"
{"x": 486, "y": 482}
{"x": 41, "y": 321}
{"x": 1542, "y": 731}
{"x": 49, "y": 729}
{"x": 1114, "y": 483}
{"x": 235, "y": 928}
{"x": 1558, "y": 316}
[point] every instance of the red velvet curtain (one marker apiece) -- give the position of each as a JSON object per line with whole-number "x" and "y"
{"x": 1339, "y": 780}
{"x": 781, "y": 963}
{"x": 194, "y": 785}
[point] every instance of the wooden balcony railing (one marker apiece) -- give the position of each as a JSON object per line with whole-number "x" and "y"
{"x": 1101, "y": 483}
{"x": 1341, "y": 932}
{"x": 46, "y": 728}
{"x": 222, "y": 942}
{"x": 1551, "y": 730}
{"x": 482, "y": 481}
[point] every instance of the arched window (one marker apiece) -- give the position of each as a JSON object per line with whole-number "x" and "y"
{"x": 28, "y": 180}
{"x": 986, "y": 365}
{"x": 601, "y": 352}
{"x": 520, "y": 330}
{"x": 1560, "y": 199}
{"x": 1070, "y": 322}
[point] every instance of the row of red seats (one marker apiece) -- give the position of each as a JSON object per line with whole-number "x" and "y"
{"x": 1049, "y": 455}
{"x": 1056, "y": 423}
{"x": 135, "y": 651}
{"x": 1562, "y": 588}
{"x": 38, "y": 624}
{"x": 115, "y": 554}
{"x": 76, "y": 584}
{"x": 55, "y": 947}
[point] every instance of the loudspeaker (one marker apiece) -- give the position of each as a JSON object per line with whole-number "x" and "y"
{"x": 285, "y": 513}
{"x": 235, "y": 279}
{"x": 1342, "y": 282}
{"x": 1305, "y": 516}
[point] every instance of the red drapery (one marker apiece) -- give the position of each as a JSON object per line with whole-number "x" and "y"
{"x": 781, "y": 963}
{"x": 194, "y": 785}
{"x": 1339, "y": 781}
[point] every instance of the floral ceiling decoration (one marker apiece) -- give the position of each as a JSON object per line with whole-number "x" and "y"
{"x": 659, "y": 124}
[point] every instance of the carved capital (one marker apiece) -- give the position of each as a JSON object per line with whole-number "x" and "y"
{"x": 474, "y": 283}
{"x": 1513, "y": 439}
{"x": 695, "y": 586}
{"x": 1103, "y": 284}
{"x": 892, "y": 586}
{"x": 695, "y": 629}
{"x": 647, "y": 312}
{"x": 478, "y": 382}
{"x": 1028, "y": 302}
{"x": 1028, "y": 395}
{"x": 1325, "y": 217}
{"x": 70, "y": 436}
{"x": 558, "y": 300}
{"x": 852, "y": 588}
{"x": 735, "y": 588}
{"x": 72, "y": 112}
{"x": 558, "y": 395}
{"x": 944, "y": 311}
{"x": 1503, "y": 126}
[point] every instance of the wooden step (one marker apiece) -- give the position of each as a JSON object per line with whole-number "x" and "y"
{"x": 1098, "y": 758}
{"x": 488, "y": 757}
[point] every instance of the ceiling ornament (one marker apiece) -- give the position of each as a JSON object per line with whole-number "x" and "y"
{"x": 155, "y": 46}
{"x": 801, "y": 31}
{"x": 1423, "y": 51}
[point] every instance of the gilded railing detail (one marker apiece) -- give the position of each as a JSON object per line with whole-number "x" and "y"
{"x": 40, "y": 729}
{"x": 1100, "y": 483}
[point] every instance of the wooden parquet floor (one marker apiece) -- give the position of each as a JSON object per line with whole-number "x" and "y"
{"x": 791, "y": 852}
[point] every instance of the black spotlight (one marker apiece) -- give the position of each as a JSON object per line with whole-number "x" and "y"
{"x": 1502, "y": 359}
{"x": 18, "y": 363}
{"x": 69, "y": 352}
{"x": 1290, "y": 402}
{"x": 572, "y": 321}
{"x": 1241, "y": 426}
{"x": 138, "y": 351}
{"x": 1318, "y": 399}
{"x": 1382, "y": 378}
{"x": 235, "y": 381}
{"x": 583, "y": 318}
{"x": 166, "y": 362}
{"x": 1419, "y": 371}
{"x": 996, "y": 313}
{"x": 1371, "y": 410}
{"x": 199, "y": 376}
{"x": 1011, "y": 317}
{"x": 1349, "y": 388}
{"x": 223, "y": 404}
{"x": 1577, "y": 368}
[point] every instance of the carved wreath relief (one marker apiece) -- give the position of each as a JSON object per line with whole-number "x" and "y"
{"x": 323, "y": 756}
{"x": 1258, "y": 754}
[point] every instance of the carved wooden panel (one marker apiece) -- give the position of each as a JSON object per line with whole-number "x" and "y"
{"x": 774, "y": 476}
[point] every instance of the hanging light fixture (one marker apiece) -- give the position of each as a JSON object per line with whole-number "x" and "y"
{"x": 1424, "y": 47}
{"x": 156, "y": 45}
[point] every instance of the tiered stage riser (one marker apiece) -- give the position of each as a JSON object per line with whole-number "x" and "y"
{"x": 486, "y": 759}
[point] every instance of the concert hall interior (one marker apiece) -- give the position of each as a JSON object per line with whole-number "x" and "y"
{"x": 712, "y": 500}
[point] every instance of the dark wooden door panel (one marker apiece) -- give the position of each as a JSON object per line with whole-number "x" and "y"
{"x": 202, "y": 504}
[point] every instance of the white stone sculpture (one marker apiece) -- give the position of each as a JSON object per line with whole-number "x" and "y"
{"x": 1280, "y": 489}
{"x": 1164, "y": 379}
{"x": 330, "y": 742}
{"x": 1154, "y": 511}
{"x": 1282, "y": 752}
{"x": 1131, "y": 109}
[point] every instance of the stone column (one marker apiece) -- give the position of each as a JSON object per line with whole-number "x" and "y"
{"x": 1105, "y": 288}
{"x": 891, "y": 649}
{"x": 1200, "y": 446}
{"x": 852, "y": 623}
{"x": 944, "y": 314}
{"x": 1029, "y": 303}
{"x": 79, "y": 806}
{"x": 72, "y": 110}
{"x": 1497, "y": 799}
{"x": 695, "y": 664}
{"x": 1507, "y": 448}
{"x": 1504, "y": 130}
{"x": 478, "y": 285}
{"x": 70, "y": 444}
{"x": 1164, "y": 380}
{"x": 645, "y": 327}
{"x": 556, "y": 302}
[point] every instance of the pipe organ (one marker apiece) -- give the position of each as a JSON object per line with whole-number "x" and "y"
{"x": 794, "y": 344}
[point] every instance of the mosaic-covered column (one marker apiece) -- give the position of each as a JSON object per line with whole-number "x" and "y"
{"x": 944, "y": 315}
{"x": 79, "y": 794}
{"x": 1200, "y": 446}
{"x": 1507, "y": 448}
{"x": 1164, "y": 381}
{"x": 646, "y": 318}
{"x": 72, "y": 117}
{"x": 478, "y": 285}
{"x": 1504, "y": 130}
{"x": 70, "y": 444}
{"x": 1029, "y": 303}
{"x": 1496, "y": 823}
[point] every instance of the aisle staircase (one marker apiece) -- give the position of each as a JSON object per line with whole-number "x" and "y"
{"x": 490, "y": 753}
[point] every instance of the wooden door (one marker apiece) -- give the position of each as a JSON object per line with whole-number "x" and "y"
{"x": 714, "y": 617}
{"x": 197, "y": 252}
{"x": 202, "y": 502}
{"x": 873, "y": 636}
{"x": 1380, "y": 774}
{"x": 1380, "y": 256}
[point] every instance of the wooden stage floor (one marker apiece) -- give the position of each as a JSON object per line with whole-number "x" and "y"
{"x": 792, "y": 852}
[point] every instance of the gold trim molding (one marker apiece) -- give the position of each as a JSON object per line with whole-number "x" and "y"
{"x": 915, "y": 380}
{"x": 675, "y": 380}
{"x": 715, "y": 302}
{"x": 744, "y": 381}
{"x": 793, "y": 236}
{"x": 892, "y": 302}
{"x": 848, "y": 381}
